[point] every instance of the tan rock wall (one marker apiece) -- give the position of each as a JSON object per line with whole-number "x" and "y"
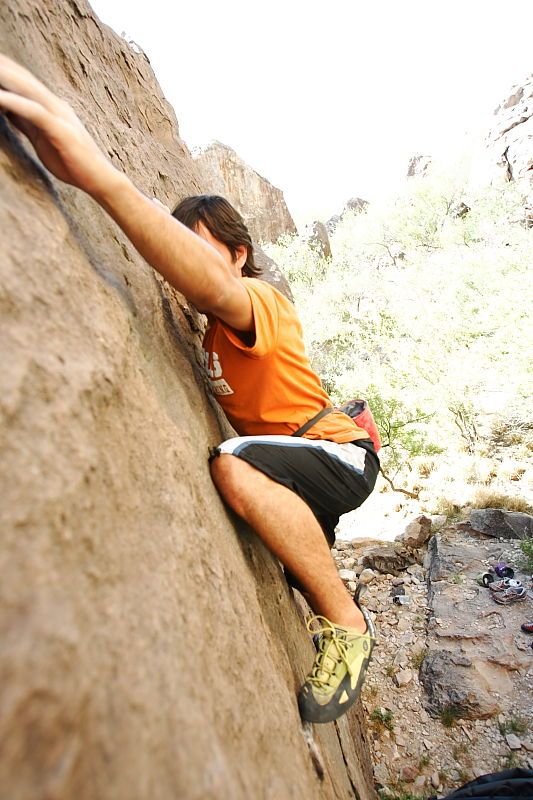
{"x": 506, "y": 153}
{"x": 261, "y": 204}
{"x": 148, "y": 645}
{"x": 510, "y": 139}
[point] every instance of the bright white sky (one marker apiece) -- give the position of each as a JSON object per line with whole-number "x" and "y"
{"x": 329, "y": 100}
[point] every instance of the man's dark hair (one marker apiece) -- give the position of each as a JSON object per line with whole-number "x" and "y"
{"x": 222, "y": 221}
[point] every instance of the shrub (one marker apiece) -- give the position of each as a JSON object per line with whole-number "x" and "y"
{"x": 425, "y": 761}
{"x": 517, "y": 725}
{"x": 464, "y": 775}
{"x": 511, "y": 429}
{"x": 417, "y": 310}
{"x": 446, "y": 507}
{"x": 526, "y": 546}
{"x": 511, "y": 761}
{"x": 448, "y": 716}
{"x": 425, "y": 468}
{"x": 457, "y": 577}
{"x": 486, "y": 498}
{"x": 382, "y": 718}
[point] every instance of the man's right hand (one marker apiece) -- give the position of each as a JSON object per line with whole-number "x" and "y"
{"x": 59, "y": 138}
{"x": 188, "y": 263}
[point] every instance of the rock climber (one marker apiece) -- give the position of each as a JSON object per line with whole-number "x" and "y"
{"x": 290, "y": 489}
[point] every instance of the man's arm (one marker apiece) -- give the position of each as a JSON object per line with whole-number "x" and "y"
{"x": 65, "y": 147}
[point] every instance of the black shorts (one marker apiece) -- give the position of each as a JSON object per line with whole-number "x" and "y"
{"x": 331, "y": 478}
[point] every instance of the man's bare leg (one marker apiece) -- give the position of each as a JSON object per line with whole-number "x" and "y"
{"x": 291, "y": 532}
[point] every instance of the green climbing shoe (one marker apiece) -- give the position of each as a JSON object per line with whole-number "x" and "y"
{"x": 334, "y": 683}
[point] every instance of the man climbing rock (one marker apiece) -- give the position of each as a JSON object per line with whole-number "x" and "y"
{"x": 289, "y": 489}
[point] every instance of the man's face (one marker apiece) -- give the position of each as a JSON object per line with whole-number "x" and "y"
{"x": 235, "y": 266}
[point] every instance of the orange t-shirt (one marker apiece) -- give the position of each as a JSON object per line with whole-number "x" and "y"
{"x": 267, "y": 386}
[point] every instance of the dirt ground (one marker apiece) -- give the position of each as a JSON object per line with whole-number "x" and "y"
{"x": 422, "y": 743}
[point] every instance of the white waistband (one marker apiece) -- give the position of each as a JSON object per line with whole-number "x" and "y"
{"x": 349, "y": 454}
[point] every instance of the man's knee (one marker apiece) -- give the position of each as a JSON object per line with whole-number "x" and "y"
{"x": 227, "y": 475}
{"x": 227, "y": 472}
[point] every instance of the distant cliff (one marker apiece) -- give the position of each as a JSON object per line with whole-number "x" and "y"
{"x": 510, "y": 139}
{"x": 149, "y": 645}
{"x": 261, "y": 204}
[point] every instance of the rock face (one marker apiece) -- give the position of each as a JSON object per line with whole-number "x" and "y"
{"x": 417, "y": 532}
{"x": 271, "y": 273}
{"x": 440, "y": 560}
{"x": 474, "y": 649}
{"x": 510, "y": 140}
{"x": 356, "y": 204}
{"x": 261, "y": 204}
{"x": 389, "y": 558}
{"x": 317, "y": 237}
{"x": 478, "y": 663}
{"x": 418, "y": 165}
{"x": 453, "y": 687}
{"x": 501, "y": 524}
{"x": 147, "y": 647}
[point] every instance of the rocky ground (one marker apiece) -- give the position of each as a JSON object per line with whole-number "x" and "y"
{"x": 449, "y": 693}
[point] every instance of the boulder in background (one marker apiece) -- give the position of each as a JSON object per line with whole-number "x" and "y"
{"x": 261, "y": 204}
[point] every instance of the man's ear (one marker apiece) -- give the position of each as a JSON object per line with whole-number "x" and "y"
{"x": 241, "y": 256}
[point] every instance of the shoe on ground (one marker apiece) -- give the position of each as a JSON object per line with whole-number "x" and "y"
{"x": 505, "y": 583}
{"x": 335, "y": 681}
{"x": 527, "y": 627}
{"x": 514, "y": 594}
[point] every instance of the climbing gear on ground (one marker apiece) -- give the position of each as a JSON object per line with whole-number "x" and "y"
{"x": 505, "y": 785}
{"x": 505, "y": 583}
{"x": 485, "y": 578}
{"x": 403, "y": 600}
{"x": 335, "y": 681}
{"x": 503, "y": 570}
{"x": 514, "y": 594}
{"x": 398, "y": 595}
{"x": 527, "y": 627}
{"x": 356, "y": 409}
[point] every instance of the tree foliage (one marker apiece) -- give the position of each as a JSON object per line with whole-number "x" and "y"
{"x": 422, "y": 309}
